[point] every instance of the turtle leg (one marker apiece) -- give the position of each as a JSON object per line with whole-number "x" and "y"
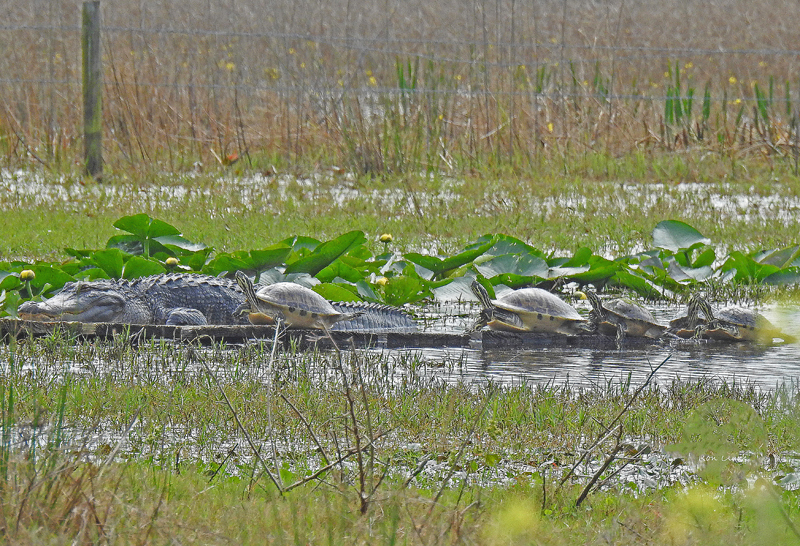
{"x": 585, "y": 327}
{"x": 620, "y": 332}
{"x": 699, "y": 331}
{"x": 484, "y": 319}
{"x": 592, "y": 324}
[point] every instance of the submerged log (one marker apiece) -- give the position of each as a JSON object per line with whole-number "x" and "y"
{"x": 302, "y": 339}
{"x": 306, "y": 339}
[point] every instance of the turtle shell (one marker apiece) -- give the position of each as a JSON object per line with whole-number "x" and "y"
{"x": 537, "y": 310}
{"x": 297, "y": 306}
{"x": 622, "y": 317}
{"x": 740, "y": 324}
{"x": 301, "y": 307}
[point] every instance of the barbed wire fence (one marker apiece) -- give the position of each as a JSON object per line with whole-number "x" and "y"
{"x": 385, "y": 86}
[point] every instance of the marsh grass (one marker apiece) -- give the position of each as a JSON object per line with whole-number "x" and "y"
{"x": 104, "y": 442}
{"x": 388, "y": 88}
{"x": 430, "y": 214}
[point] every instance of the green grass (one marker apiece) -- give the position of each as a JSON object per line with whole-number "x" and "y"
{"x": 546, "y": 208}
{"x": 184, "y": 468}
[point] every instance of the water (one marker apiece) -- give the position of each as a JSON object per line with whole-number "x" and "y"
{"x": 764, "y": 366}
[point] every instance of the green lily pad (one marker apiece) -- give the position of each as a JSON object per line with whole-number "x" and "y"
{"x": 336, "y": 292}
{"x": 677, "y": 236}
{"x": 139, "y": 266}
{"x": 524, "y": 265}
{"x": 326, "y": 253}
{"x": 440, "y": 266}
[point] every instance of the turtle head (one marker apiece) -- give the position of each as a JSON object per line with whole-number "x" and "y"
{"x": 594, "y": 300}
{"x": 482, "y": 294}
{"x": 698, "y": 304}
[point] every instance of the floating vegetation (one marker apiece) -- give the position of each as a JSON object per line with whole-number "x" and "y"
{"x": 681, "y": 261}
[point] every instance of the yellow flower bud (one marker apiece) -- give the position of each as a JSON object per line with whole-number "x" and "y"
{"x": 386, "y": 238}
{"x": 171, "y": 261}
{"x": 27, "y": 275}
{"x": 381, "y": 281}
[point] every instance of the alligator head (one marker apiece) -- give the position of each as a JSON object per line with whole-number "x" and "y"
{"x": 99, "y": 301}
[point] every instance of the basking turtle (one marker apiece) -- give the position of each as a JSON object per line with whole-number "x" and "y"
{"x": 527, "y": 310}
{"x": 740, "y": 324}
{"x": 690, "y": 324}
{"x": 623, "y": 318}
{"x": 297, "y": 306}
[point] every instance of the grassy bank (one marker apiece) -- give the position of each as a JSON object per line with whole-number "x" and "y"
{"x": 228, "y": 445}
{"x": 611, "y": 214}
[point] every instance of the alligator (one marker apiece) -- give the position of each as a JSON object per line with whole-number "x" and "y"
{"x": 374, "y": 318}
{"x": 180, "y": 299}
{"x": 171, "y": 298}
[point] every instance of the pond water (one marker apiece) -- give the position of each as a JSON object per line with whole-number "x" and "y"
{"x": 765, "y": 366}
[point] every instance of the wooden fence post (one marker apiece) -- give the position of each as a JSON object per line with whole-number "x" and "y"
{"x": 92, "y": 89}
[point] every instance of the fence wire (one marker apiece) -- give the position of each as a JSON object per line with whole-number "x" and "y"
{"x": 244, "y": 73}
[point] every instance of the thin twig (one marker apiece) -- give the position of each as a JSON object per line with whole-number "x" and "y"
{"x": 613, "y": 422}
{"x": 308, "y": 426}
{"x": 241, "y": 427}
{"x": 327, "y": 467}
{"x": 606, "y": 464}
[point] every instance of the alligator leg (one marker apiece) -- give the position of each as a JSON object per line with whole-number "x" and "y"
{"x": 185, "y": 316}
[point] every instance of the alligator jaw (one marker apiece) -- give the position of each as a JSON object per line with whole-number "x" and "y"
{"x": 103, "y": 308}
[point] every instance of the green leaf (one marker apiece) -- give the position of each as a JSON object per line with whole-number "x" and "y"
{"x": 525, "y": 265}
{"x": 456, "y": 290}
{"x": 747, "y": 269}
{"x": 366, "y": 292}
{"x": 336, "y": 292}
{"x": 9, "y": 302}
{"x": 326, "y": 253}
{"x": 227, "y": 262}
{"x": 440, "y": 266}
{"x": 139, "y": 266}
{"x": 706, "y": 258}
{"x": 110, "y": 260}
{"x": 339, "y": 269}
{"x": 404, "y": 289}
{"x": 276, "y": 275}
{"x": 779, "y": 258}
{"x": 677, "y": 236}
{"x": 600, "y": 271}
{"x": 144, "y": 227}
{"x": 505, "y": 244}
{"x": 269, "y": 257}
{"x": 197, "y": 260}
{"x": 299, "y": 243}
{"x": 580, "y": 258}
{"x": 788, "y": 275}
{"x": 179, "y": 244}
{"x": 640, "y": 285}
{"x": 682, "y": 274}
{"x": 48, "y": 274}
{"x": 9, "y": 281}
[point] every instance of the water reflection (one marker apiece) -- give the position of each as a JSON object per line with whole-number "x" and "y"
{"x": 766, "y": 367}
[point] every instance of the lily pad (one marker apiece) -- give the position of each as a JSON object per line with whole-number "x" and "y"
{"x": 139, "y": 266}
{"x": 326, "y": 253}
{"x": 677, "y": 236}
{"x": 440, "y": 266}
{"x": 336, "y": 292}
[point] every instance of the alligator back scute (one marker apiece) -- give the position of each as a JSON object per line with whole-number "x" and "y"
{"x": 215, "y": 297}
{"x": 375, "y": 318}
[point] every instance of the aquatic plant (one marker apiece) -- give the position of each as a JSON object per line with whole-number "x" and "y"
{"x": 681, "y": 260}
